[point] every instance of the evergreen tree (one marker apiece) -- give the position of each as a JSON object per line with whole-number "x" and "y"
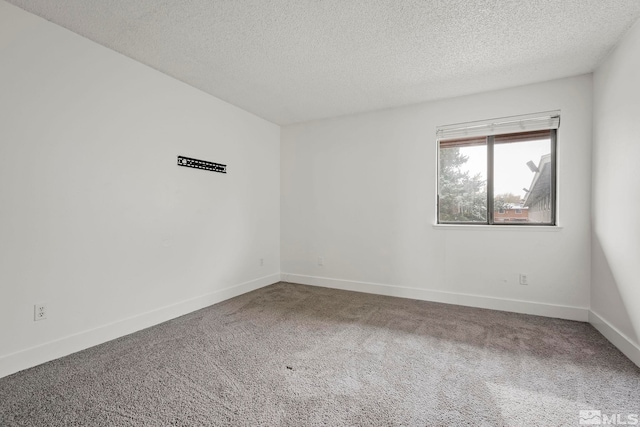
{"x": 463, "y": 197}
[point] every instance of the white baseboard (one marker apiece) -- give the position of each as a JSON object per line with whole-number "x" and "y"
{"x": 526, "y": 307}
{"x": 34, "y": 356}
{"x": 617, "y": 338}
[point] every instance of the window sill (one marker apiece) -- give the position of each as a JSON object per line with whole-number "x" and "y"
{"x": 482, "y": 227}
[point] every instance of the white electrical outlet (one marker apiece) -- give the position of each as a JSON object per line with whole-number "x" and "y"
{"x": 524, "y": 280}
{"x": 320, "y": 261}
{"x": 261, "y": 262}
{"x": 39, "y": 312}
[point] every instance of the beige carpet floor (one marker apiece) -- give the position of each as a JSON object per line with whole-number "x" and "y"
{"x": 296, "y": 355}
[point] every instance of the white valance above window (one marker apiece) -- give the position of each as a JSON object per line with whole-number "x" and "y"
{"x": 505, "y": 125}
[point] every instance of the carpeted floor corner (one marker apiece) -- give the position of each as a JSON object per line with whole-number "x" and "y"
{"x": 295, "y": 355}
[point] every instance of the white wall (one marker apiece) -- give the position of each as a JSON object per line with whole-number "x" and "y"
{"x": 96, "y": 219}
{"x": 359, "y": 191}
{"x": 615, "y": 291}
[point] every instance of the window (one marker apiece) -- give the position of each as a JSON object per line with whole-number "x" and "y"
{"x": 498, "y": 172}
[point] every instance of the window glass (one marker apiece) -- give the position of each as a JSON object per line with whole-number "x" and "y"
{"x": 522, "y": 179}
{"x": 514, "y": 171}
{"x": 462, "y": 183}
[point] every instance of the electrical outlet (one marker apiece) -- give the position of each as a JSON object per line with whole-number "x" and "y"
{"x": 320, "y": 261}
{"x": 524, "y": 280}
{"x": 261, "y": 262}
{"x": 39, "y": 312}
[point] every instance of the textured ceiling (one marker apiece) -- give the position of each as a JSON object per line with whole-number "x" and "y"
{"x": 291, "y": 61}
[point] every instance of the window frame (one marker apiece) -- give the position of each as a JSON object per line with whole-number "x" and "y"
{"x": 490, "y": 143}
